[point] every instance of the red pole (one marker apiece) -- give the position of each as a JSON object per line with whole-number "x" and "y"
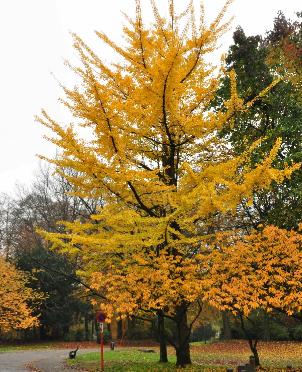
{"x": 102, "y": 347}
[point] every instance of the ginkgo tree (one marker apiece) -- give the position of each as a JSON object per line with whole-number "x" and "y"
{"x": 17, "y": 300}
{"x": 151, "y": 149}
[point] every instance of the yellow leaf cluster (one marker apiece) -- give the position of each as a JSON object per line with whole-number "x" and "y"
{"x": 261, "y": 270}
{"x": 149, "y": 282}
{"x": 15, "y": 296}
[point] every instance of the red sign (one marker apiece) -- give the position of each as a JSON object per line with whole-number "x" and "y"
{"x": 100, "y": 317}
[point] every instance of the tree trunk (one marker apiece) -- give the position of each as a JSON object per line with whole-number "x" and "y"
{"x": 92, "y": 328}
{"x": 86, "y": 327}
{"x": 97, "y": 331}
{"x": 253, "y": 347}
{"x": 65, "y": 330}
{"x": 43, "y": 333}
{"x": 163, "y": 355}
{"x": 183, "y": 337}
{"x": 124, "y": 327}
{"x": 267, "y": 333}
{"x": 252, "y": 344}
{"x": 114, "y": 329}
{"x": 226, "y": 329}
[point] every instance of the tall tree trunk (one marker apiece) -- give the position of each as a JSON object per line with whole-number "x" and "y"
{"x": 86, "y": 327}
{"x": 92, "y": 328}
{"x": 163, "y": 355}
{"x": 97, "y": 331}
{"x": 114, "y": 329}
{"x": 183, "y": 332}
{"x": 42, "y": 332}
{"x": 252, "y": 343}
{"x": 267, "y": 333}
{"x": 253, "y": 347}
{"x": 226, "y": 329}
{"x": 124, "y": 327}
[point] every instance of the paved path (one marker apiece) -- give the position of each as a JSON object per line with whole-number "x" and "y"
{"x": 43, "y": 360}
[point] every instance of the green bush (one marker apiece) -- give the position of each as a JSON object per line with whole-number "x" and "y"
{"x": 79, "y": 335}
{"x": 106, "y": 336}
{"x": 67, "y": 337}
{"x": 203, "y": 333}
{"x": 297, "y": 333}
{"x": 279, "y": 332}
{"x": 139, "y": 330}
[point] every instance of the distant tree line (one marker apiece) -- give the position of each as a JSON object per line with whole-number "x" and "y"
{"x": 65, "y": 312}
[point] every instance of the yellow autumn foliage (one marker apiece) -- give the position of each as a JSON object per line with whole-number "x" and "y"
{"x": 15, "y": 296}
{"x": 151, "y": 150}
{"x": 260, "y": 270}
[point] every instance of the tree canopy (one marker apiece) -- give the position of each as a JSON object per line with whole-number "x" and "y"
{"x": 257, "y": 61}
{"x": 154, "y": 152}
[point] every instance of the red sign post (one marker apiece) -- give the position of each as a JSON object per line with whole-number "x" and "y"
{"x": 100, "y": 318}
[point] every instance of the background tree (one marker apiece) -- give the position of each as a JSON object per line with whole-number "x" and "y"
{"x": 41, "y": 205}
{"x": 257, "y": 61}
{"x": 259, "y": 271}
{"x": 285, "y": 46}
{"x": 156, "y": 158}
{"x": 18, "y": 302}
{"x": 278, "y": 114}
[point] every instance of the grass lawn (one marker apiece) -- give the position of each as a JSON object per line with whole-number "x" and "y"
{"x": 275, "y": 356}
{"x": 126, "y": 360}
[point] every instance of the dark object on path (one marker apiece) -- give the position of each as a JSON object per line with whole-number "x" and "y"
{"x": 147, "y": 350}
{"x": 241, "y": 369}
{"x": 112, "y": 344}
{"x": 73, "y": 353}
{"x": 252, "y": 366}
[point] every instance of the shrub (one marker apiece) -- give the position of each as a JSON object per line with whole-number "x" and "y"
{"x": 278, "y": 332}
{"x": 203, "y": 333}
{"x": 297, "y": 333}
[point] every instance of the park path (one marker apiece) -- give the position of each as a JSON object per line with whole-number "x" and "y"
{"x": 50, "y": 360}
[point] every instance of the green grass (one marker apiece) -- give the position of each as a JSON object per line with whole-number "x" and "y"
{"x": 129, "y": 360}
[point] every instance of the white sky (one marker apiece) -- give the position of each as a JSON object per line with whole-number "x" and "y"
{"x": 35, "y": 40}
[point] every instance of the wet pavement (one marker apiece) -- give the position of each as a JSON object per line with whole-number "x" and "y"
{"x": 49, "y": 360}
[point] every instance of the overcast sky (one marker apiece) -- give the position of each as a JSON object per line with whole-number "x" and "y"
{"x": 35, "y": 40}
